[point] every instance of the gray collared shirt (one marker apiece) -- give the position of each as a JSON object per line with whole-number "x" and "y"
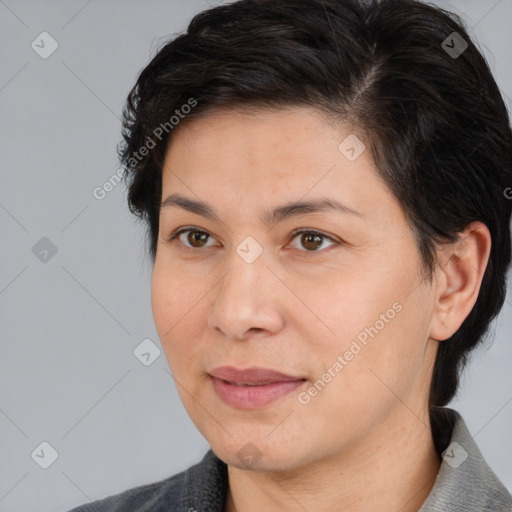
{"x": 465, "y": 483}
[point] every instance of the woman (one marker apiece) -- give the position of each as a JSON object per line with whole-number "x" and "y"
{"x": 325, "y": 188}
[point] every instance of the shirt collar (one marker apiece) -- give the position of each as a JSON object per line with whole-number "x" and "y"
{"x": 464, "y": 482}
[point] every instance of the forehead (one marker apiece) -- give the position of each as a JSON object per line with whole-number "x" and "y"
{"x": 293, "y": 142}
{"x": 261, "y": 157}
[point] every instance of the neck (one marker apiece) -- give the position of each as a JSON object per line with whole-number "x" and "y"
{"x": 394, "y": 469}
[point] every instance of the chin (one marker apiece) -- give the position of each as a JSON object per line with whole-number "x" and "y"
{"x": 257, "y": 455}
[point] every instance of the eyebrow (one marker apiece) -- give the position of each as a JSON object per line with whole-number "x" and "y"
{"x": 268, "y": 218}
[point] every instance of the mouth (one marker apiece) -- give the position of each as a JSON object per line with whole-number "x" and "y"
{"x": 246, "y": 384}
{"x": 252, "y": 388}
{"x": 253, "y": 375}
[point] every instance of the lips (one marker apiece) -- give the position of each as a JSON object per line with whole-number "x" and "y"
{"x": 252, "y": 388}
{"x": 251, "y": 376}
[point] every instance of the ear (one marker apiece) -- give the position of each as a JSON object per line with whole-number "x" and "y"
{"x": 459, "y": 275}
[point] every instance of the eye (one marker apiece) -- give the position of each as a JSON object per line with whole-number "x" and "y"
{"x": 196, "y": 236}
{"x": 311, "y": 239}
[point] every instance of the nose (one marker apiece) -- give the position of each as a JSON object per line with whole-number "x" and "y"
{"x": 247, "y": 299}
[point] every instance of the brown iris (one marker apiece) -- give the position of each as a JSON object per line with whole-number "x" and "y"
{"x": 311, "y": 239}
{"x": 197, "y": 236}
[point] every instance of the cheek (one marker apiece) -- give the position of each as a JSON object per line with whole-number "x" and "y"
{"x": 173, "y": 294}
{"x": 345, "y": 308}
{"x": 385, "y": 353}
{"x": 179, "y": 316}
{"x": 161, "y": 301}
{"x": 371, "y": 318}
{"x": 167, "y": 302}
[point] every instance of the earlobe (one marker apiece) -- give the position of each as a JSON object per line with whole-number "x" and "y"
{"x": 461, "y": 267}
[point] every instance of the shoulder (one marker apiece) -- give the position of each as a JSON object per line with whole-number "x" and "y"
{"x": 154, "y": 496}
{"x": 465, "y": 482}
{"x": 181, "y": 492}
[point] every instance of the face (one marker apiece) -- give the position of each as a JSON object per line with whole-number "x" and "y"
{"x": 340, "y": 307}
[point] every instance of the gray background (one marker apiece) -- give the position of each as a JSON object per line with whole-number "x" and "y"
{"x": 68, "y": 374}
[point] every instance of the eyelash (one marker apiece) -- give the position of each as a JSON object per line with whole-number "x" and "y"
{"x": 293, "y": 234}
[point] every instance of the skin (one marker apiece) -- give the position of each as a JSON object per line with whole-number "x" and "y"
{"x": 363, "y": 442}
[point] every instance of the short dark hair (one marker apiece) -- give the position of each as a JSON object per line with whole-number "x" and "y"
{"x": 435, "y": 122}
